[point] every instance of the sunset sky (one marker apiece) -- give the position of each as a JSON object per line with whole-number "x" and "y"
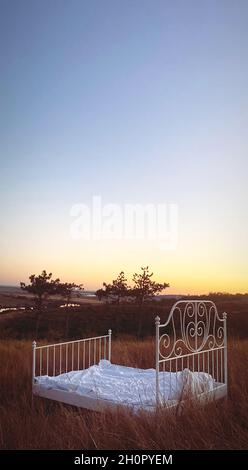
{"x": 135, "y": 101}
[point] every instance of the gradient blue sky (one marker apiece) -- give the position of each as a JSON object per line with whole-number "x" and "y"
{"x": 139, "y": 102}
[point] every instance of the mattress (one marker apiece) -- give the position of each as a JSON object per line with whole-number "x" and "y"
{"x": 127, "y": 385}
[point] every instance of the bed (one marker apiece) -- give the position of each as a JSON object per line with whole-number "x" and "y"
{"x": 190, "y": 362}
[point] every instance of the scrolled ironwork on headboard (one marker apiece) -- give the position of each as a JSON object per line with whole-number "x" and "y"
{"x": 192, "y": 326}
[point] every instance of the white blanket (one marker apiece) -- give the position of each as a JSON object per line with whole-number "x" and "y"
{"x": 128, "y": 385}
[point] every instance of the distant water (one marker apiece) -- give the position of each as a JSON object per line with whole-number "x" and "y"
{"x": 89, "y": 293}
{"x": 10, "y": 289}
{"x": 18, "y": 290}
{"x": 7, "y": 309}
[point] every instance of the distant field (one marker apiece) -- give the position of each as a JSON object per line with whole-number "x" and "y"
{"x": 14, "y": 297}
{"x": 58, "y": 324}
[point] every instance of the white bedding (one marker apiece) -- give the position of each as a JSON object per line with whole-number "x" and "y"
{"x": 128, "y": 385}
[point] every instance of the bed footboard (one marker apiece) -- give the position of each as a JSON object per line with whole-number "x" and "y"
{"x": 59, "y": 358}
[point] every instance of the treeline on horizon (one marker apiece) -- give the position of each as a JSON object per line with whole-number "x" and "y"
{"x": 42, "y": 316}
{"x": 144, "y": 289}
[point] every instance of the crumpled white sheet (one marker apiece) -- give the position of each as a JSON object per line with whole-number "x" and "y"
{"x": 128, "y": 385}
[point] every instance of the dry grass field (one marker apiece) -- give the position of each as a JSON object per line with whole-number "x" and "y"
{"x": 49, "y": 425}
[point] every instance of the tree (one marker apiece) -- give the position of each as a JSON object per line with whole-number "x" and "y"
{"x": 66, "y": 290}
{"x": 117, "y": 291}
{"x": 100, "y": 294}
{"x": 41, "y": 286}
{"x": 145, "y": 288}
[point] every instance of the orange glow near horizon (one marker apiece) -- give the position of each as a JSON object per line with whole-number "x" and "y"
{"x": 93, "y": 263}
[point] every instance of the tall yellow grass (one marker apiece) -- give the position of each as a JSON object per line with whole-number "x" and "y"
{"x": 49, "y": 425}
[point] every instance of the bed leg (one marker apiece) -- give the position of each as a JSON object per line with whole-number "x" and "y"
{"x": 33, "y": 369}
{"x": 109, "y": 351}
{"x": 157, "y": 323}
{"x": 225, "y": 348}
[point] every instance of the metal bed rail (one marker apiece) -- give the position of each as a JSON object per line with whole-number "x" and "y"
{"x": 58, "y": 358}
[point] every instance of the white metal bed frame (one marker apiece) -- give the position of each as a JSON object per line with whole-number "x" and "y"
{"x": 193, "y": 337}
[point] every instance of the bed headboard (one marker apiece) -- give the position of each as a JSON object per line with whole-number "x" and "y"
{"x": 194, "y": 337}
